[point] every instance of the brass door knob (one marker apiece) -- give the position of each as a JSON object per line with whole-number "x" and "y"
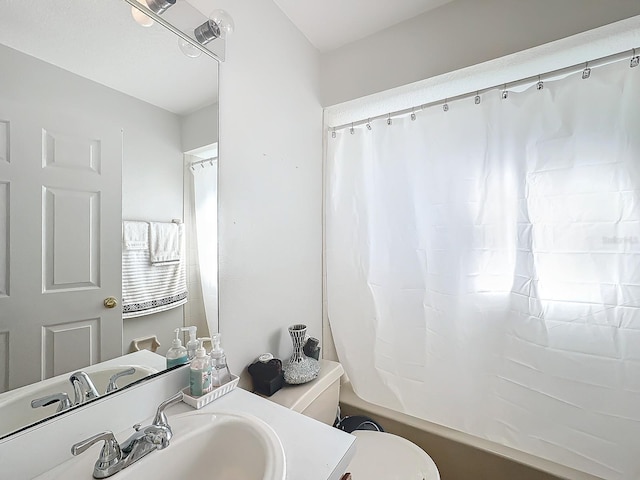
{"x": 110, "y": 302}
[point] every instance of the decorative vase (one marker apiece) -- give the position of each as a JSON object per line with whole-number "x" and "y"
{"x": 300, "y": 368}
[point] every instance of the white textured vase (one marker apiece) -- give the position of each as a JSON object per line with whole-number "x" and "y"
{"x": 300, "y": 368}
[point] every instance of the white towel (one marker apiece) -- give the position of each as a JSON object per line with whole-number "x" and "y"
{"x": 165, "y": 242}
{"x": 148, "y": 288}
{"x": 135, "y": 235}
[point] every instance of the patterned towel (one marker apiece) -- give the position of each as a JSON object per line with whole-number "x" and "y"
{"x": 149, "y": 288}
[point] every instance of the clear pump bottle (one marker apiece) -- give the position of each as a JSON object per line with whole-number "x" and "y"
{"x": 200, "y": 372}
{"x": 219, "y": 369}
{"x": 192, "y": 344}
{"x": 177, "y": 354}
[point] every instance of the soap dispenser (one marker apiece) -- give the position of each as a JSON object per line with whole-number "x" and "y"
{"x": 219, "y": 369}
{"x": 200, "y": 372}
{"x": 177, "y": 354}
{"x": 192, "y": 344}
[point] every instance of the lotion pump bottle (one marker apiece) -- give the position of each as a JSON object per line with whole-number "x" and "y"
{"x": 192, "y": 344}
{"x": 177, "y": 354}
{"x": 219, "y": 369}
{"x": 200, "y": 372}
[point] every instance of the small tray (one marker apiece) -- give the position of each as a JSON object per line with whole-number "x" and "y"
{"x": 199, "y": 402}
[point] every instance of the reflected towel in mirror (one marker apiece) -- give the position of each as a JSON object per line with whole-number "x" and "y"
{"x": 135, "y": 235}
{"x": 165, "y": 240}
{"x": 148, "y": 288}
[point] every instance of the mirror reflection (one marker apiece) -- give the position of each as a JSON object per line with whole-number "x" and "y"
{"x": 102, "y": 122}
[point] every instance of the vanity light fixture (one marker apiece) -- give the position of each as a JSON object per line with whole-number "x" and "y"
{"x": 156, "y": 6}
{"x": 218, "y": 25}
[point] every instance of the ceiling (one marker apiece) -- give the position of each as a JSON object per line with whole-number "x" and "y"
{"x": 330, "y": 24}
{"x": 99, "y": 40}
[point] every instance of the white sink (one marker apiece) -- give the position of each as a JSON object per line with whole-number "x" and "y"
{"x": 15, "y": 406}
{"x": 220, "y": 446}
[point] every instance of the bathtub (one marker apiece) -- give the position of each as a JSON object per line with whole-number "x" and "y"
{"x": 458, "y": 455}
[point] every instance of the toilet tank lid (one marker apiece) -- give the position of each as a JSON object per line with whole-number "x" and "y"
{"x": 299, "y": 397}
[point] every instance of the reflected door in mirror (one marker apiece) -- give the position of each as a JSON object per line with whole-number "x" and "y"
{"x": 61, "y": 195}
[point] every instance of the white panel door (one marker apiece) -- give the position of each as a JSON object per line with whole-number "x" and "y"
{"x": 60, "y": 210}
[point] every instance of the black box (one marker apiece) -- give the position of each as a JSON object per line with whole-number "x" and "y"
{"x": 267, "y": 377}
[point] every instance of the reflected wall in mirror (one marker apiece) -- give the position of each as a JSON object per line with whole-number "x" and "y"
{"x": 101, "y": 120}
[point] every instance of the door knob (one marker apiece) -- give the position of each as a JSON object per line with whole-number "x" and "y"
{"x": 110, "y": 302}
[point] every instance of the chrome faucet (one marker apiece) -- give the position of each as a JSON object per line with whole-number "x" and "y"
{"x": 83, "y": 388}
{"x": 115, "y": 457}
{"x": 62, "y": 398}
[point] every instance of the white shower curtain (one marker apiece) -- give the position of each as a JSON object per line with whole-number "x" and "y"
{"x": 205, "y": 192}
{"x": 483, "y": 267}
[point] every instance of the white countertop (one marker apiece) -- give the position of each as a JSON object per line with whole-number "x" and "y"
{"x": 143, "y": 357}
{"x": 313, "y": 450}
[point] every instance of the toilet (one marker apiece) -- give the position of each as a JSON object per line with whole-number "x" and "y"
{"x": 379, "y": 455}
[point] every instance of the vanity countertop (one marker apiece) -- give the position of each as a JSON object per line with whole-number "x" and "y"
{"x": 144, "y": 358}
{"x": 313, "y": 450}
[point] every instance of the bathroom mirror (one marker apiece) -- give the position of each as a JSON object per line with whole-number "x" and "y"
{"x": 80, "y": 66}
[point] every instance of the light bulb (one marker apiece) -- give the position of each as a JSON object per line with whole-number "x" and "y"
{"x": 188, "y": 49}
{"x": 224, "y": 22}
{"x": 156, "y": 6}
{"x": 140, "y": 17}
{"x": 219, "y": 25}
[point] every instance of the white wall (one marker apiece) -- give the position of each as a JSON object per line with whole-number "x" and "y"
{"x": 270, "y": 183}
{"x": 200, "y": 128}
{"x": 457, "y": 35}
{"x": 151, "y": 190}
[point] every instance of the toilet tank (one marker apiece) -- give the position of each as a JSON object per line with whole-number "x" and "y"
{"x": 316, "y": 399}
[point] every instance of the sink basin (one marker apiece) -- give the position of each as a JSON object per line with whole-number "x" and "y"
{"x": 15, "y": 406}
{"x": 220, "y": 446}
{"x": 226, "y": 446}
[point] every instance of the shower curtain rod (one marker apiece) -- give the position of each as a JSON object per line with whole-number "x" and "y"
{"x": 585, "y": 67}
{"x": 202, "y": 162}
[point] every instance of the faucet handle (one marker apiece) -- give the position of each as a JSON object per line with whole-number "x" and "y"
{"x": 112, "y": 381}
{"x": 62, "y": 397}
{"x": 110, "y": 454}
{"x": 161, "y": 419}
